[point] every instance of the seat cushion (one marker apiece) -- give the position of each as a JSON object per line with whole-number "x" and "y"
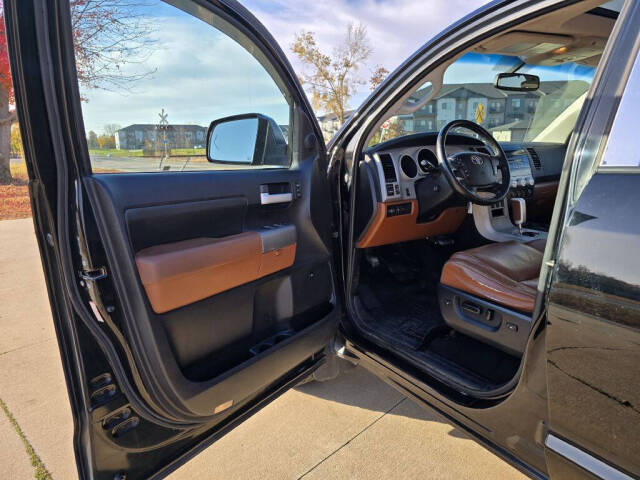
{"x": 505, "y": 273}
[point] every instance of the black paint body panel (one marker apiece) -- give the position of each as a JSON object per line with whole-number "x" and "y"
{"x": 593, "y": 338}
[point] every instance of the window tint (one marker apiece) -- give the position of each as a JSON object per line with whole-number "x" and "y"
{"x": 154, "y": 76}
{"x": 546, "y": 115}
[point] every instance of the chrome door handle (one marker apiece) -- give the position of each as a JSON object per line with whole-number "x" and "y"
{"x": 270, "y": 198}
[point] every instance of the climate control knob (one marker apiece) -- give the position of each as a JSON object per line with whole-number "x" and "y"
{"x": 522, "y": 182}
{"x": 530, "y": 181}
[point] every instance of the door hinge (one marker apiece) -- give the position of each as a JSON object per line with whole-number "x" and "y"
{"x": 93, "y": 274}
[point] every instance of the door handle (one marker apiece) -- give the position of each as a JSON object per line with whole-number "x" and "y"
{"x": 270, "y": 198}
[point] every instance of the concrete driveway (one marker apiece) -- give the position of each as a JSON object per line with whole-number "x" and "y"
{"x": 353, "y": 427}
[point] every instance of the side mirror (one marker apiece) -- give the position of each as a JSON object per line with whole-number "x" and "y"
{"x": 517, "y": 82}
{"x": 248, "y": 139}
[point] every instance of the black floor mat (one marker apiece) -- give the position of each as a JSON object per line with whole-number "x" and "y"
{"x": 403, "y": 314}
{"x": 398, "y": 293}
{"x": 493, "y": 365}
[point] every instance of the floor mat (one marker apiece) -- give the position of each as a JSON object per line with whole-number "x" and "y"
{"x": 404, "y": 315}
{"x": 398, "y": 294}
{"x": 495, "y": 366}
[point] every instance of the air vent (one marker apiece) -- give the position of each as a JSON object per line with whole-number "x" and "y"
{"x": 535, "y": 159}
{"x": 388, "y": 168}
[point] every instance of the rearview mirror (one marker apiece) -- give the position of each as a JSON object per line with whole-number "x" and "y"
{"x": 517, "y": 82}
{"x": 248, "y": 139}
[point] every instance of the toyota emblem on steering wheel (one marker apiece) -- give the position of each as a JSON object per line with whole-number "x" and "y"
{"x": 476, "y": 160}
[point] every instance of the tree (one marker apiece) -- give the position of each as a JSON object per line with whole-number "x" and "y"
{"x": 111, "y": 129}
{"x": 16, "y": 140}
{"x": 92, "y": 140}
{"x": 377, "y": 77}
{"x": 333, "y": 80}
{"x": 107, "y": 34}
{"x": 106, "y": 141}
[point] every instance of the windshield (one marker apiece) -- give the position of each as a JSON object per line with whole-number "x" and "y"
{"x": 547, "y": 114}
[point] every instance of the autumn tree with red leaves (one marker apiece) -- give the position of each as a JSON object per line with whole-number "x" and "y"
{"x": 107, "y": 35}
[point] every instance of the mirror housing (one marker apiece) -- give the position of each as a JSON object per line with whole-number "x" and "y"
{"x": 247, "y": 139}
{"x": 517, "y": 82}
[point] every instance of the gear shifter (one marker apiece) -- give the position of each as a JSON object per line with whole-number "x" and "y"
{"x": 519, "y": 212}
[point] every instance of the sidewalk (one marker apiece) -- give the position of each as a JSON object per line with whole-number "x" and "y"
{"x": 353, "y": 427}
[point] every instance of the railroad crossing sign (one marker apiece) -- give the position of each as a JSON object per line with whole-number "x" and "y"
{"x": 479, "y": 113}
{"x": 163, "y": 119}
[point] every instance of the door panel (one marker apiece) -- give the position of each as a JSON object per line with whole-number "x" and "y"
{"x": 186, "y": 250}
{"x": 184, "y": 298}
{"x": 594, "y": 328}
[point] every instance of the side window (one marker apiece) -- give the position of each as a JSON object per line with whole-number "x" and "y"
{"x": 621, "y": 149}
{"x": 174, "y": 88}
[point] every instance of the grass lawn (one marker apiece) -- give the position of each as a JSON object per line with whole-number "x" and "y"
{"x": 138, "y": 153}
{"x": 114, "y": 152}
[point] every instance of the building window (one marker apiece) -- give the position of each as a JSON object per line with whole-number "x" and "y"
{"x": 515, "y": 103}
{"x": 444, "y": 105}
{"x": 430, "y": 108}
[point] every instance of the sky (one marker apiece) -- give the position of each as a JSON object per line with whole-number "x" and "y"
{"x": 198, "y": 74}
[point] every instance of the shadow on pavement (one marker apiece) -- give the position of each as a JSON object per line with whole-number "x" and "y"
{"x": 357, "y": 387}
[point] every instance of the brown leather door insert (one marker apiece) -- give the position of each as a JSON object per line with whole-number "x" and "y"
{"x": 180, "y": 273}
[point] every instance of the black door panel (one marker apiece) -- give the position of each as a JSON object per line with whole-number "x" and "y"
{"x": 165, "y": 223}
{"x": 149, "y": 389}
{"x": 198, "y": 342}
{"x": 594, "y": 325}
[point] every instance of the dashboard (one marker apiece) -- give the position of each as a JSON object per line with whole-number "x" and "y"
{"x": 401, "y": 186}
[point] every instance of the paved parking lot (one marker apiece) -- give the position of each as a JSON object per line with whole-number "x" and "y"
{"x": 353, "y": 427}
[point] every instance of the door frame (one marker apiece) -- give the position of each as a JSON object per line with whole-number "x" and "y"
{"x": 43, "y": 64}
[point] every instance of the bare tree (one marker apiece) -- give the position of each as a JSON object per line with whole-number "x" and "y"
{"x": 107, "y": 36}
{"x": 111, "y": 129}
{"x": 333, "y": 80}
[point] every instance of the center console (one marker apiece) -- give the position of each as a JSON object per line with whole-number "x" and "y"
{"x": 494, "y": 221}
{"x": 522, "y": 180}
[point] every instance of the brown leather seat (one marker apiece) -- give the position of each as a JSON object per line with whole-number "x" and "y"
{"x": 505, "y": 273}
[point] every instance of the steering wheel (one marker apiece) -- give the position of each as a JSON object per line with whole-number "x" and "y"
{"x": 474, "y": 175}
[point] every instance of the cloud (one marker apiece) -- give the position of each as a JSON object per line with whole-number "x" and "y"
{"x": 200, "y": 74}
{"x": 396, "y": 28}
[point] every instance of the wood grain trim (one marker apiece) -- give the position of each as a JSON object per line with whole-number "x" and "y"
{"x": 384, "y": 230}
{"x": 180, "y": 273}
{"x": 545, "y": 190}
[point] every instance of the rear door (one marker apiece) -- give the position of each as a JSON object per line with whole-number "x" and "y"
{"x": 593, "y": 335}
{"x": 182, "y": 208}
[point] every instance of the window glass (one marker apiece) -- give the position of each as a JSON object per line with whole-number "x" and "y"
{"x": 621, "y": 149}
{"x": 548, "y": 114}
{"x": 153, "y": 77}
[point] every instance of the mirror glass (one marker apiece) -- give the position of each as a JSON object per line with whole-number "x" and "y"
{"x": 521, "y": 82}
{"x": 234, "y": 141}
